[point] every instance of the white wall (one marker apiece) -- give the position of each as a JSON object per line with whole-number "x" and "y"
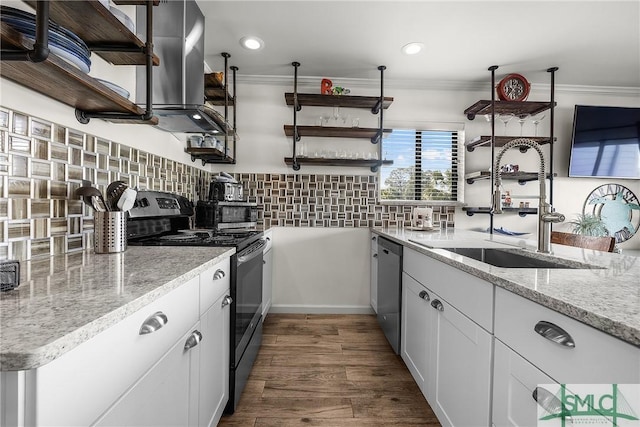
{"x": 321, "y": 270}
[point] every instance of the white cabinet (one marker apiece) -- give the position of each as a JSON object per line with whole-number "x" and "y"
{"x": 461, "y": 353}
{"x": 448, "y": 353}
{"x": 535, "y": 345}
{"x": 214, "y": 348}
{"x": 417, "y": 322}
{"x": 514, "y": 383}
{"x": 104, "y": 367}
{"x": 374, "y": 272}
{"x": 565, "y": 349}
{"x": 165, "y": 365}
{"x": 166, "y": 395}
{"x": 267, "y": 273}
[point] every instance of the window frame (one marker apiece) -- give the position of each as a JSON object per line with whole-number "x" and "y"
{"x": 460, "y": 154}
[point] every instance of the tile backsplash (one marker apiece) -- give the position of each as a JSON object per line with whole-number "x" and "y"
{"x": 42, "y": 164}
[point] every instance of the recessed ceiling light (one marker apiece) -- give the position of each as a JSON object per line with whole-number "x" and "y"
{"x": 412, "y": 48}
{"x": 251, "y": 43}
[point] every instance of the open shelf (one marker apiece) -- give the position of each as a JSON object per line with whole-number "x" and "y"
{"x": 208, "y": 155}
{"x": 334, "y": 132}
{"x": 215, "y": 92}
{"x": 500, "y": 141}
{"x": 105, "y": 30}
{"x": 516, "y": 107}
{"x": 347, "y": 101}
{"x": 57, "y": 79}
{"x": 521, "y": 177}
{"x": 487, "y": 210}
{"x": 312, "y": 161}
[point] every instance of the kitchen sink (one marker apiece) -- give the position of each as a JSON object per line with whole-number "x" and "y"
{"x": 516, "y": 258}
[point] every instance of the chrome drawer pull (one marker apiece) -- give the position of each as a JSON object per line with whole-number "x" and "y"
{"x": 424, "y": 295}
{"x": 154, "y": 322}
{"x": 219, "y": 274}
{"x": 547, "y": 400}
{"x": 226, "y": 301}
{"x": 437, "y": 305}
{"x": 375, "y": 255}
{"x": 193, "y": 340}
{"x": 554, "y": 333}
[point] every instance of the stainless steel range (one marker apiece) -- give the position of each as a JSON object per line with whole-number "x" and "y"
{"x": 163, "y": 219}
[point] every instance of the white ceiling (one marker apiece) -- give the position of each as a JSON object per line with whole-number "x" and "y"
{"x": 594, "y": 43}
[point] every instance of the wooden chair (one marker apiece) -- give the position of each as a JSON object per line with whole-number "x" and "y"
{"x": 605, "y": 244}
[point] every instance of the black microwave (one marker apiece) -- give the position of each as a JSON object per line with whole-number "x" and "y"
{"x": 219, "y": 216}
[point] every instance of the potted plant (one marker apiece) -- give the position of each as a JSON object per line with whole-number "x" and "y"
{"x": 588, "y": 225}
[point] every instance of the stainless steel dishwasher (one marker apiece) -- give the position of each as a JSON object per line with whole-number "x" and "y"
{"x": 390, "y": 290}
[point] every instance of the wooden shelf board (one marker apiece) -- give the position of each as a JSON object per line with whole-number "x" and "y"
{"x": 501, "y": 141}
{"x": 105, "y": 29}
{"x": 521, "y": 177}
{"x": 311, "y": 161}
{"x": 333, "y": 132}
{"x": 216, "y": 96}
{"x": 57, "y": 79}
{"x": 470, "y": 210}
{"x": 516, "y": 107}
{"x": 135, "y": 2}
{"x": 347, "y": 101}
{"x": 208, "y": 155}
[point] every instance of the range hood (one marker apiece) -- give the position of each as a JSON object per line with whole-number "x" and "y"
{"x": 178, "y": 82}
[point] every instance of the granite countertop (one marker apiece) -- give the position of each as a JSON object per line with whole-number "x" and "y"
{"x": 63, "y": 301}
{"x": 606, "y": 298}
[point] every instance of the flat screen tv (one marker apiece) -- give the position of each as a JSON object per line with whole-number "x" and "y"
{"x": 605, "y": 142}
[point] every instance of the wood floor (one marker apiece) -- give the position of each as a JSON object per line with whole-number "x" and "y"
{"x": 329, "y": 370}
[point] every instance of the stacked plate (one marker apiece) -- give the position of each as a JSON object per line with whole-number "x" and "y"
{"x": 114, "y": 87}
{"x": 62, "y": 42}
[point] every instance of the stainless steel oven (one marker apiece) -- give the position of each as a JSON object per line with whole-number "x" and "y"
{"x": 162, "y": 219}
{"x": 246, "y": 313}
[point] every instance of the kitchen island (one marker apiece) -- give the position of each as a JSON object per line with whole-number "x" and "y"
{"x": 63, "y": 301}
{"x": 606, "y": 298}
{"x": 491, "y": 332}
{"x": 121, "y": 334}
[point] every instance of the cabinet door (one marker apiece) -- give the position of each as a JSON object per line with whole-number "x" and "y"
{"x": 514, "y": 381}
{"x": 461, "y": 360}
{"x": 165, "y": 395}
{"x": 374, "y": 273}
{"x": 214, "y": 362}
{"x": 417, "y": 320}
{"x": 267, "y": 282}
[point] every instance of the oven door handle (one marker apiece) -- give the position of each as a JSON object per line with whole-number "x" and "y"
{"x": 251, "y": 252}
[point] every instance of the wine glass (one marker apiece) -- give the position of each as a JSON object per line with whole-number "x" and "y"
{"x": 506, "y": 118}
{"x": 536, "y": 121}
{"x": 336, "y": 114}
{"x": 521, "y": 119}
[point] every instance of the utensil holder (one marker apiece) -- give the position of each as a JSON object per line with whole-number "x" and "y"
{"x": 110, "y": 232}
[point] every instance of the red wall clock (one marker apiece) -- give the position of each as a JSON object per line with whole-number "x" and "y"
{"x": 513, "y": 87}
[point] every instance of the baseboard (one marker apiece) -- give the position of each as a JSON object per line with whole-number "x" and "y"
{"x": 321, "y": 309}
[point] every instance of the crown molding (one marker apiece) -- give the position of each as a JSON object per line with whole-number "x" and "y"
{"x": 443, "y": 85}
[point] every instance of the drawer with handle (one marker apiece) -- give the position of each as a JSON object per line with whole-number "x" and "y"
{"x": 213, "y": 283}
{"x": 108, "y": 362}
{"x": 469, "y": 294}
{"x": 567, "y": 350}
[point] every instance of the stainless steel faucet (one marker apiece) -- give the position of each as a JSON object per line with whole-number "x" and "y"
{"x": 546, "y": 214}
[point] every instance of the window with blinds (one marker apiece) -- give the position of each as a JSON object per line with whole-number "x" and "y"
{"x": 425, "y": 166}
